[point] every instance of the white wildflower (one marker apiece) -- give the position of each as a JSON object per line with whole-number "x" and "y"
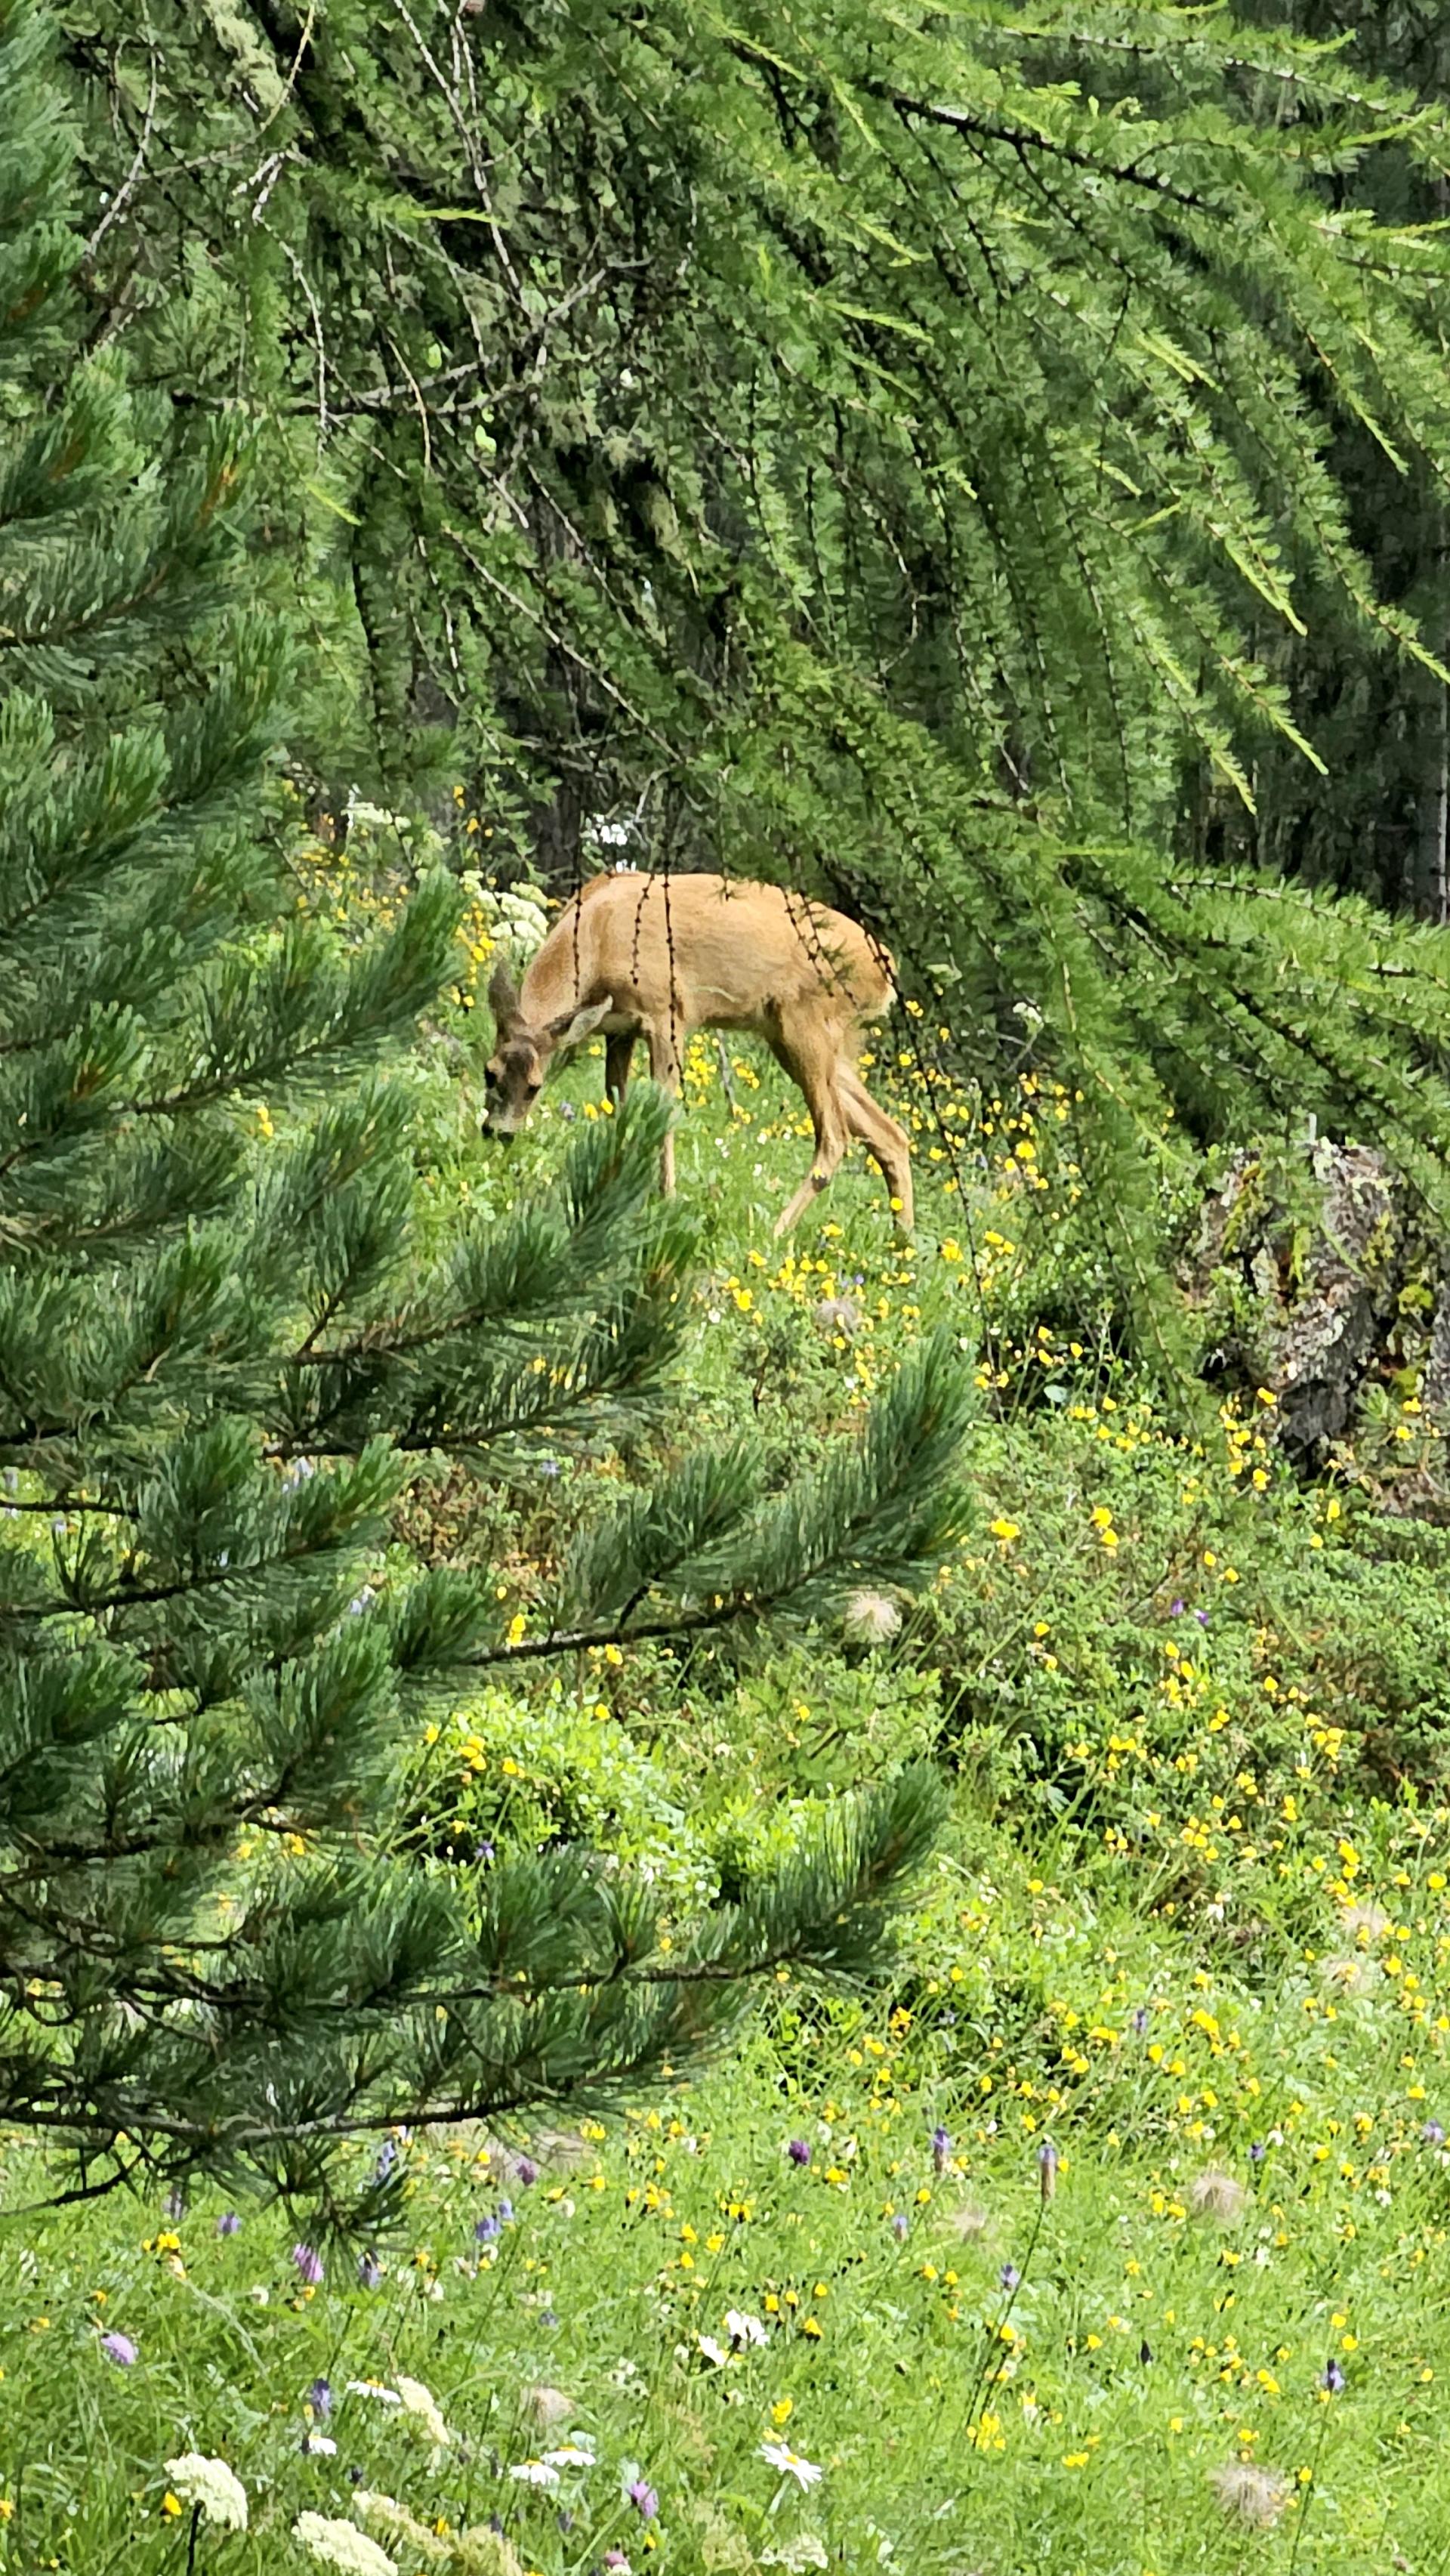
{"x": 319, "y": 2446}
{"x": 712, "y": 2350}
{"x": 805, "y": 2550}
{"x": 743, "y": 2329}
{"x": 374, "y": 2388}
{"x": 341, "y": 2544}
{"x": 534, "y": 2473}
{"x": 395, "y": 2522}
{"x": 791, "y": 2465}
{"x": 212, "y": 2485}
{"x": 422, "y": 2406}
{"x": 570, "y": 2455}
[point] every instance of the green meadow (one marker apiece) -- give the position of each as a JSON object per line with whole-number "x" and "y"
{"x": 1105, "y": 2232}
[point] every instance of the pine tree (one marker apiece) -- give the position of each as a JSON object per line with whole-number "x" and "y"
{"x": 893, "y": 453}
{"x": 1376, "y": 816}
{"x": 223, "y": 1358}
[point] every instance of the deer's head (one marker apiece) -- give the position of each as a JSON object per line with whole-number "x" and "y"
{"x": 514, "y": 1074}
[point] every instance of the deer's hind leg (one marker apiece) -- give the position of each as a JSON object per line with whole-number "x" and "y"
{"x": 664, "y": 1065}
{"x": 617, "y": 1051}
{"x": 810, "y": 1053}
{"x": 885, "y": 1141}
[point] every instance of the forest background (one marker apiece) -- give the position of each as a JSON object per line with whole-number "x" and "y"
{"x": 984, "y": 466}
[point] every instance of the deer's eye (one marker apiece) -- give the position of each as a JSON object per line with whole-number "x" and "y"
{"x": 533, "y": 1089}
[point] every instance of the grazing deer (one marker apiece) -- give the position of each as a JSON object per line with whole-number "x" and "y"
{"x": 658, "y": 957}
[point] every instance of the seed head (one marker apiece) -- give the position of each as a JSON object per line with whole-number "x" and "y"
{"x": 1218, "y": 2197}
{"x": 967, "y": 2222}
{"x": 546, "y": 2406}
{"x": 1253, "y": 2495}
{"x": 871, "y": 1619}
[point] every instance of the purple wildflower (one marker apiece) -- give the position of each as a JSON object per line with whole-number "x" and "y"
{"x": 644, "y": 2499}
{"x": 941, "y": 2147}
{"x": 1202, "y": 1617}
{"x": 369, "y": 2272}
{"x": 525, "y": 2171}
{"x": 228, "y": 2224}
{"x": 120, "y": 2349}
{"x": 319, "y": 2398}
{"x": 1047, "y": 2168}
{"x": 1140, "y": 2020}
{"x": 1257, "y": 2152}
{"x": 1333, "y": 2379}
{"x": 1010, "y": 2277}
{"x": 487, "y": 2229}
{"x": 1433, "y": 2133}
{"x": 1175, "y": 1609}
{"x": 387, "y": 2158}
{"x": 901, "y": 2227}
{"x": 309, "y": 2265}
{"x": 799, "y": 2152}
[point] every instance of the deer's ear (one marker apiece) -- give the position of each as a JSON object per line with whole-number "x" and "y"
{"x": 503, "y": 1000}
{"x": 573, "y": 1027}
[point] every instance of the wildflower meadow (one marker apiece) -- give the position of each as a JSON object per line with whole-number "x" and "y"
{"x": 1103, "y": 2233}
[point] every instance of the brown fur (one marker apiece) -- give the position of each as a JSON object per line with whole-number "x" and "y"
{"x": 659, "y": 957}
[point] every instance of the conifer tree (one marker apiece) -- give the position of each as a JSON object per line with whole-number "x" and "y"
{"x": 221, "y": 1360}
{"x": 883, "y": 451}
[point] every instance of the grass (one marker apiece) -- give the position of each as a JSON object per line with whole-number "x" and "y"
{"x": 1190, "y": 1926}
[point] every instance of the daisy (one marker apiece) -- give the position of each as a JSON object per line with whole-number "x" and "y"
{"x": 791, "y": 2465}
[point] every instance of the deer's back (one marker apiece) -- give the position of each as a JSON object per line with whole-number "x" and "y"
{"x": 734, "y": 951}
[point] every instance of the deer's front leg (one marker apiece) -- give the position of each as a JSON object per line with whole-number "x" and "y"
{"x": 664, "y": 1065}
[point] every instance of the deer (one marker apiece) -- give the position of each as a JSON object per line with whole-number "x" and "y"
{"x": 659, "y": 956}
